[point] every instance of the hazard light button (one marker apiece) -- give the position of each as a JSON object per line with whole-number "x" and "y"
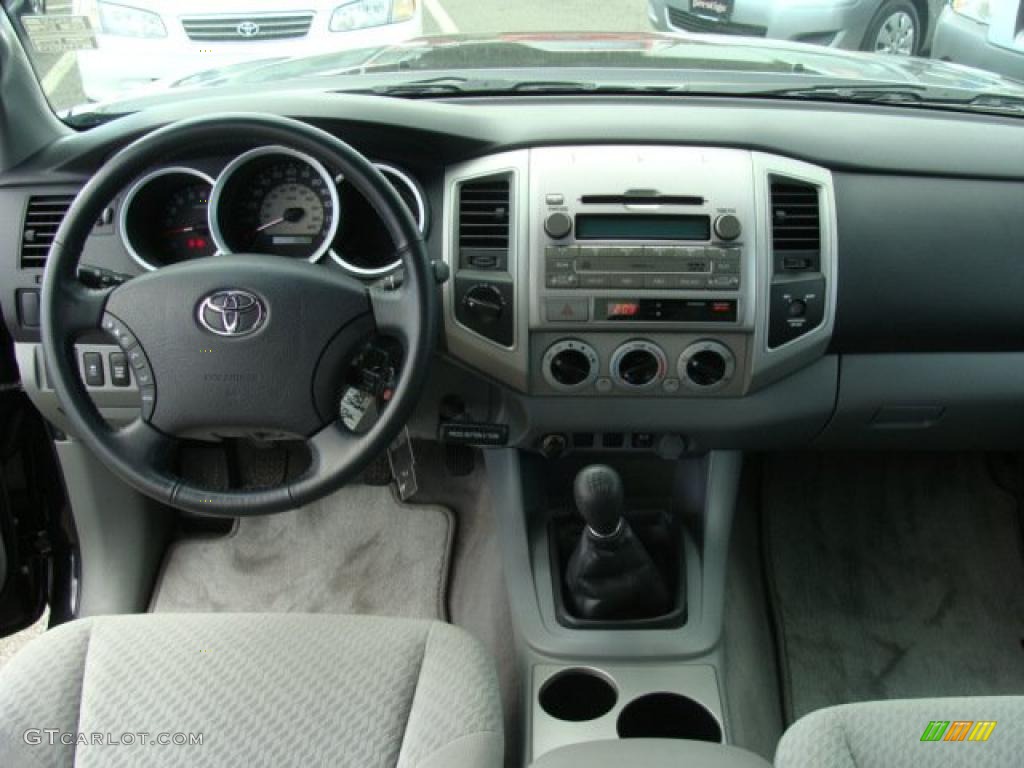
{"x": 567, "y": 310}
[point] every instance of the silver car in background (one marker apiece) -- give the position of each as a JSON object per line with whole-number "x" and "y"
{"x": 987, "y": 34}
{"x": 902, "y": 27}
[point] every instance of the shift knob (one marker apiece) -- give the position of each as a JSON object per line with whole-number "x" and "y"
{"x": 598, "y": 493}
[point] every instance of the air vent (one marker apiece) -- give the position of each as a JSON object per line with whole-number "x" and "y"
{"x": 796, "y": 224}
{"x": 484, "y": 223}
{"x": 42, "y": 219}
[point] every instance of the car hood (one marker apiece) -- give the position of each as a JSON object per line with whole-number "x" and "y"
{"x": 241, "y": 7}
{"x": 627, "y": 59}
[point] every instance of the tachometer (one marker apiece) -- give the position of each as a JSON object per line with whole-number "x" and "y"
{"x": 164, "y": 217}
{"x": 277, "y": 201}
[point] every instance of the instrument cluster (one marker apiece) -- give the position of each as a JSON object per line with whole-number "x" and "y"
{"x": 269, "y": 200}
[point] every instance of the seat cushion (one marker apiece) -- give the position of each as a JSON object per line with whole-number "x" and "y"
{"x": 260, "y": 690}
{"x": 890, "y": 734}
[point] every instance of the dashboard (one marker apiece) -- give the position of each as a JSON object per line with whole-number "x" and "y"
{"x": 634, "y": 274}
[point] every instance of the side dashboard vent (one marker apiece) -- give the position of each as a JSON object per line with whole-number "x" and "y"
{"x": 43, "y": 218}
{"x": 484, "y": 221}
{"x": 796, "y": 219}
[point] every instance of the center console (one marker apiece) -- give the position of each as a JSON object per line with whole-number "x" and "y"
{"x": 639, "y": 272}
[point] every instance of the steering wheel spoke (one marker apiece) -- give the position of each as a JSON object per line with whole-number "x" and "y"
{"x": 82, "y": 307}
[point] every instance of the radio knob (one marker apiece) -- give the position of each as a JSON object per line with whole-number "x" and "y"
{"x": 484, "y": 302}
{"x": 558, "y": 225}
{"x": 728, "y": 227}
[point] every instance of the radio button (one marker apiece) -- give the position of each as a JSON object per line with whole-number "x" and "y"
{"x": 560, "y": 265}
{"x": 627, "y": 281}
{"x": 560, "y": 251}
{"x": 595, "y": 281}
{"x": 562, "y": 280}
{"x": 554, "y": 199}
{"x": 727, "y": 267}
{"x": 687, "y": 282}
{"x": 659, "y": 281}
{"x": 726, "y": 281}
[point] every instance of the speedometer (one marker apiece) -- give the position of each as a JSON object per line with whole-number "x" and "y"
{"x": 276, "y": 201}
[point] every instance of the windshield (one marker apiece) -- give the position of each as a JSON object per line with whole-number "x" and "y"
{"x": 94, "y": 57}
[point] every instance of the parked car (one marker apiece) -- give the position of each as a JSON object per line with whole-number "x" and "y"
{"x": 165, "y": 38}
{"x": 983, "y": 34}
{"x": 902, "y": 27}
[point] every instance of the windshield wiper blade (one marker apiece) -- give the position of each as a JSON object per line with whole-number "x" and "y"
{"x": 445, "y": 85}
{"x": 906, "y": 94}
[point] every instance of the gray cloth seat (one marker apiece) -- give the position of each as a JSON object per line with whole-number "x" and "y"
{"x": 259, "y": 689}
{"x": 888, "y": 734}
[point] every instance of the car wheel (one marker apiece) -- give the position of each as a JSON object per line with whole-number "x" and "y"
{"x": 895, "y": 29}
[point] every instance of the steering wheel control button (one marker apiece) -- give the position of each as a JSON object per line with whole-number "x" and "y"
{"x": 728, "y": 227}
{"x": 570, "y": 365}
{"x": 124, "y": 338}
{"x": 638, "y": 364}
{"x": 706, "y": 366}
{"x": 120, "y": 375}
{"x": 144, "y": 376}
{"x": 137, "y": 358}
{"x": 92, "y": 369}
{"x": 147, "y": 402}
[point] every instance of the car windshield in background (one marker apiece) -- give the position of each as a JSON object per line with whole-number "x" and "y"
{"x": 103, "y": 58}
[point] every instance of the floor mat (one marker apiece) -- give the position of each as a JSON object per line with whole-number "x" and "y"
{"x": 358, "y": 551}
{"x": 895, "y": 576}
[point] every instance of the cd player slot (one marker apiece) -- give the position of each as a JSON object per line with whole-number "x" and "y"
{"x": 642, "y": 200}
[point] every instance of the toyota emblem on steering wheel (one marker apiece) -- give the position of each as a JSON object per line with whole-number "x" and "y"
{"x": 232, "y": 313}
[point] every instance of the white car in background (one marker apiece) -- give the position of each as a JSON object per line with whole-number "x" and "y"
{"x": 165, "y": 38}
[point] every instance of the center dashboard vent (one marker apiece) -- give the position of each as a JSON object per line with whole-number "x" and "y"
{"x": 43, "y": 218}
{"x": 484, "y": 222}
{"x": 796, "y": 220}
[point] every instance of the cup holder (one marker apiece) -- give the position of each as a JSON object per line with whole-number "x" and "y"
{"x": 668, "y": 716}
{"x": 578, "y": 695}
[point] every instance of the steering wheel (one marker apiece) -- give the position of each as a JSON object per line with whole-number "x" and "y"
{"x": 238, "y": 344}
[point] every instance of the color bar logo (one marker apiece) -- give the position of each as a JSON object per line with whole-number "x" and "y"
{"x": 958, "y": 730}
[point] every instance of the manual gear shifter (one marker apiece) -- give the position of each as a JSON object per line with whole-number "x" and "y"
{"x": 610, "y": 575}
{"x": 598, "y": 493}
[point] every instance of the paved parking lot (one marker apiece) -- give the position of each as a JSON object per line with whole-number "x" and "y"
{"x": 60, "y": 76}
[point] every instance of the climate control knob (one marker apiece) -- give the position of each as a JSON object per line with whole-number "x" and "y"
{"x": 706, "y": 365}
{"x": 484, "y": 302}
{"x": 638, "y": 364}
{"x": 570, "y": 364}
{"x": 728, "y": 227}
{"x": 558, "y": 225}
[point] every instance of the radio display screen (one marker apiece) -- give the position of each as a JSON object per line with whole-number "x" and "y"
{"x": 642, "y": 226}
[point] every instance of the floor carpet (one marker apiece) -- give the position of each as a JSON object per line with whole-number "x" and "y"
{"x": 894, "y": 576}
{"x": 359, "y": 550}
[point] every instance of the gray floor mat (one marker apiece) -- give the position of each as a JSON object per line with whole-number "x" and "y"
{"x": 358, "y": 551}
{"x": 894, "y": 576}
